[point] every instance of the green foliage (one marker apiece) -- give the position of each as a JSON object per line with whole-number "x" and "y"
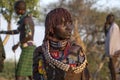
{"x": 94, "y": 60}
{"x": 9, "y": 70}
{"x": 34, "y": 7}
{"x": 7, "y": 9}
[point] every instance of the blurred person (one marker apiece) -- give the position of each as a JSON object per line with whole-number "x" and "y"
{"x": 112, "y": 46}
{"x": 26, "y": 31}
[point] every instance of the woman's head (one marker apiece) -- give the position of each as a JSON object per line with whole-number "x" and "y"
{"x": 20, "y": 7}
{"x": 110, "y": 18}
{"x": 54, "y": 18}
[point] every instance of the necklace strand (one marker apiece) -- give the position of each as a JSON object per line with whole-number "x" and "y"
{"x": 55, "y": 63}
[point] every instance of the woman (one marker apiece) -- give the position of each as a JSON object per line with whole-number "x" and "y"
{"x": 59, "y": 58}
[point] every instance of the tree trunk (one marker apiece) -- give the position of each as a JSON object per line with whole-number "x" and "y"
{"x": 7, "y": 36}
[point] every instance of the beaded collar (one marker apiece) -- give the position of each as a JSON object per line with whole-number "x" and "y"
{"x": 56, "y": 63}
{"x": 57, "y": 53}
{"x": 59, "y": 44}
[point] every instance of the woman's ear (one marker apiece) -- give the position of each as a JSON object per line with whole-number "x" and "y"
{"x": 51, "y": 31}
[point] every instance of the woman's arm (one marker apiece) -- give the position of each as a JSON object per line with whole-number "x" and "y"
{"x": 12, "y": 32}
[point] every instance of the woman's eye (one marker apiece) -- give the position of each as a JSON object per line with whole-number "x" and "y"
{"x": 63, "y": 24}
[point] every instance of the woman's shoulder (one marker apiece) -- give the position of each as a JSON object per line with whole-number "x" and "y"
{"x": 38, "y": 49}
{"x": 76, "y": 47}
{"x": 38, "y": 53}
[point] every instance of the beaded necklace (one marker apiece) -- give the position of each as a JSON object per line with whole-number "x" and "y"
{"x": 56, "y": 63}
{"x": 59, "y": 54}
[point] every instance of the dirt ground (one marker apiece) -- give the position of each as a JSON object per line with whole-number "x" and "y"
{"x": 1, "y": 78}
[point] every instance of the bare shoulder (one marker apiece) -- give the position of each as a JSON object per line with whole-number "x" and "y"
{"x": 28, "y": 19}
{"x": 38, "y": 49}
{"x": 75, "y": 48}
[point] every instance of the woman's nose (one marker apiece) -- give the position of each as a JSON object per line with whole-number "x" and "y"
{"x": 69, "y": 27}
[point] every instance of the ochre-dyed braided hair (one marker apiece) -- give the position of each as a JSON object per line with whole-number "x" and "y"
{"x": 54, "y": 18}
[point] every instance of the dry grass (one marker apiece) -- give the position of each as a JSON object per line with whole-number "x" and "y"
{"x": 1, "y": 78}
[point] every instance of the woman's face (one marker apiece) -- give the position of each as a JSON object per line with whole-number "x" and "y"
{"x": 110, "y": 19}
{"x": 20, "y": 9}
{"x": 63, "y": 31}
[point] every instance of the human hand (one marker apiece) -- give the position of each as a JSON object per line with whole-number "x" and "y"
{"x": 1, "y": 32}
{"x": 14, "y": 47}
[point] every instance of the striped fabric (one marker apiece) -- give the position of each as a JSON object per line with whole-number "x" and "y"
{"x": 24, "y": 67}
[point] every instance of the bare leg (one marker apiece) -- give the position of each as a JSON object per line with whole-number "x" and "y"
{"x": 116, "y": 63}
{"x": 30, "y": 77}
{"x": 112, "y": 69}
{"x": 20, "y": 78}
